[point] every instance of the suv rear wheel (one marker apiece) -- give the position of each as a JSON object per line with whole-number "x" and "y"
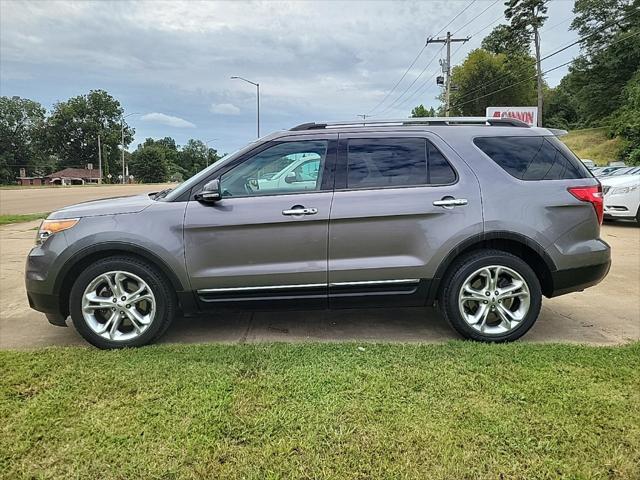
{"x": 121, "y": 302}
{"x": 491, "y": 296}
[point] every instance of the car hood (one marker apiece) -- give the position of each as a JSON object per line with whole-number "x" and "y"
{"x": 620, "y": 181}
{"x": 106, "y": 206}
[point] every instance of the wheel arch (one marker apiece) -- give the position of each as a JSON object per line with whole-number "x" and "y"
{"x": 520, "y": 245}
{"x": 80, "y": 260}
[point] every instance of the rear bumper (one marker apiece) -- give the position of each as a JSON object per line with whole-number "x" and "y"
{"x": 576, "y": 279}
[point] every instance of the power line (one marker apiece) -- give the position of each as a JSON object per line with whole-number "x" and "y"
{"x": 476, "y": 17}
{"x": 556, "y": 24}
{"x": 454, "y": 18}
{"x": 561, "y": 49}
{"x": 501, "y": 17}
{"x": 412, "y": 83}
{"x": 420, "y": 89}
{"x": 401, "y": 78}
{"x": 545, "y": 72}
{"x": 413, "y": 63}
{"x": 447, "y": 65}
{"x": 425, "y": 83}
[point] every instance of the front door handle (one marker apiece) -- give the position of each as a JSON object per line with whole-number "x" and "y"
{"x": 300, "y": 211}
{"x": 450, "y": 202}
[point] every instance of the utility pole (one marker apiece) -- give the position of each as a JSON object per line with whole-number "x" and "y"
{"x": 447, "y": 41}
{"x": 536, "y": 39}
{"x": 363, "y": 116}
{"x": 99, "y": 162}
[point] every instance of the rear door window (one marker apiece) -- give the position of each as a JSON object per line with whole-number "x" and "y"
{"x": 395, "y": 162}
{"x": 533, "y": 158}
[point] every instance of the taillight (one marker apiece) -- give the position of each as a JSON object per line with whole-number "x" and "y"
{"x": 593, "y": 195}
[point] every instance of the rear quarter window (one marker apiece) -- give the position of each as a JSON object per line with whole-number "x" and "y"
{"x": 533, "y": 158}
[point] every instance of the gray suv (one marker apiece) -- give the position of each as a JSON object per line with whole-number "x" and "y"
{"x": 481, "y": 217}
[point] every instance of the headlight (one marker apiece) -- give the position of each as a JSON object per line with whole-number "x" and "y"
{"x": 623, "y": 190}
{"x": 49, "y": 227}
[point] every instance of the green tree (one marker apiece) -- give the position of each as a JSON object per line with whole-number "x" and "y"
{"x": 487, "y": 79}
{"x": 626, "y": 121}
{"x": 21, "y": 130}
{"x": 195, "y": 156}
{"x": 421, "y": 111}
{"x": 560, "y": 107}
{"x": 172, "y": 154}
{"x": 527, "y": 18}
{"x": 598, "y": 21}
{"x": 149, "y": 164}
{"x": 504, "y": 39}
{"x": 74, "y": 126}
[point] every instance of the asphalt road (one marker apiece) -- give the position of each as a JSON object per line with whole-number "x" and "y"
{"x": 46, "y": 199}
{"x": 607, "y": 314}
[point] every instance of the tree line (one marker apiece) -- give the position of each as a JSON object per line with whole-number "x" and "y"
{"x": 42, "y": 142}
{"x": 601, "y": 89}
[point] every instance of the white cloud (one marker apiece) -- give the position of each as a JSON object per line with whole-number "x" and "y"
{"x": 225, "y": 109}
{"x": 169, "y": 120}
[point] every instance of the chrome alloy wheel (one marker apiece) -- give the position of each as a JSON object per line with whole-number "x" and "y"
{"x": 118, "y": 305}
{"x": 494, "y": 300}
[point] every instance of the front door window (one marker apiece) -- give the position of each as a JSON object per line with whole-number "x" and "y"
{"x": 289, "y": 167}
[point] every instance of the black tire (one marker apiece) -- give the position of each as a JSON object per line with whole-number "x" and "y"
{"x": 162, "y": 290}
{"x": 465, "y": 266}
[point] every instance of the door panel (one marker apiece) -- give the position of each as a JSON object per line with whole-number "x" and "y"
{"x": 385, "y": 244}
{"x": 248, "y": 243}
{"x": 265, "y": 241}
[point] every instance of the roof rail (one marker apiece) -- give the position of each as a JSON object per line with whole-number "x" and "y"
{"x": 511, "y": 122}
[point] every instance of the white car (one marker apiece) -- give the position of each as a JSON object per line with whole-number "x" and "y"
{"x": 622, "y": 197}
{"x": 300, "y": 174}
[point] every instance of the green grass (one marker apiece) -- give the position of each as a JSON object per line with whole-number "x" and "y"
{"x": 459, "y": 410}
{"x": 5, "y": 219}
{"x": 594, "y": 144}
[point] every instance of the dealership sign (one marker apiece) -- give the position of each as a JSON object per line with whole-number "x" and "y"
{"x": 526, "y": 114}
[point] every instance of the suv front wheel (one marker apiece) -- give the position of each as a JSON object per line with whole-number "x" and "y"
{"x": 491, "y": 296}
{"x": 121, "y": 302}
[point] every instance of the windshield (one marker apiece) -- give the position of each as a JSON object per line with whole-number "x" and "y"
{"x": 170, "y": 194}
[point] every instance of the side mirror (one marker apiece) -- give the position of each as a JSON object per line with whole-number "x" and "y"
{"x": 210, "y": 193}
{"x": 290, "y": 178}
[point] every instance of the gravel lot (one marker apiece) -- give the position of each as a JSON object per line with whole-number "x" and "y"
{"x": 604, "y": 315}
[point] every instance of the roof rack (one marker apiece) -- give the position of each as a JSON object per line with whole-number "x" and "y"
{"x": 509, "y": 122}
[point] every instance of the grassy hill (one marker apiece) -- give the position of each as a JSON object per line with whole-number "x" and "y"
{"x": 594, "y": 144}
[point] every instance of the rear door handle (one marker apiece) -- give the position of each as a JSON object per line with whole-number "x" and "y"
{"x": 300, "y": 211}
{"x": 450, "y": 202}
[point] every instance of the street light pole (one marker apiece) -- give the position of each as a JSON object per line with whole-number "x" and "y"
{"x": 257, "y": 85}
{"x": 122, "y": 138}
{"x": 207, "y": 148}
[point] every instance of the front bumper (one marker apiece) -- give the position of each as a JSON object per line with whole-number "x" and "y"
{"x": 47, "y": 303}
{"x": 40, "y": 275}
{"x": 577, "y": 279}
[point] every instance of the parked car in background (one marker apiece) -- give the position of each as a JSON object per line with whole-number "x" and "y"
{"x": 622, "y": 196}
{"x": 606, "y": 171}
{"x": 624, "y": 171}
{"x": 479, "y": 217}
{"x": 588, "y": 163}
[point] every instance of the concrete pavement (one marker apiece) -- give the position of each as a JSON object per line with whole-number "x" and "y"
{"x": 607, "y": 314}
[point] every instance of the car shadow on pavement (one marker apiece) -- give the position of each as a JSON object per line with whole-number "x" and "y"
{"x": 370, "y": 325}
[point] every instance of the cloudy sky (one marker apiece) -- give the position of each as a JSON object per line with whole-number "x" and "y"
{"x": 170, "y": 62}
